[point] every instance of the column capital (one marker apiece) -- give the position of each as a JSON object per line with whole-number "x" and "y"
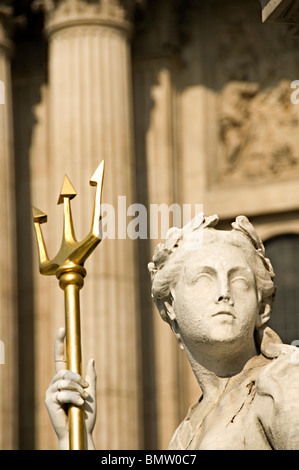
{"x": 6, "y": 25}
{"x": 61, "y": 14}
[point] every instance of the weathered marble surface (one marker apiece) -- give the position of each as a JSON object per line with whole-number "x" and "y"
{"x": 215, "y": 288}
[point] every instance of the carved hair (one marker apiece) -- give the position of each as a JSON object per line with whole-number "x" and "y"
{"x": 169, "y": 257}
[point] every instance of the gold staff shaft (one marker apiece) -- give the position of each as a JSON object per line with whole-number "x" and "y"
{"x": 71, "y": 281}
{"x": 68, "y": 267}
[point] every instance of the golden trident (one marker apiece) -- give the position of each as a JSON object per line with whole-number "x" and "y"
{"x": 68, "y": 268}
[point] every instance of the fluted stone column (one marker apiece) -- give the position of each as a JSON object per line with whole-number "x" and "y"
{"x": 156, "y": 63}
{"x": 156, "y": 170}
{"x": 90, "y": 119}
{"x": 8, "y": 311}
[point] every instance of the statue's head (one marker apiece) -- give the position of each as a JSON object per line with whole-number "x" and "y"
{"x": 211, "y": 284}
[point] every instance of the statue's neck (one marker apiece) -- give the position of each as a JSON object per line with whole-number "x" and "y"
{"x": 213, "y": 370}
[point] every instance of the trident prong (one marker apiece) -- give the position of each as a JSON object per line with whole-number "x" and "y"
{"x": 97, "y": 180}
{"x": 68, "y": 268}
{"x": 66, "y": 194}
{"x": 38, "y": 219}
{"x": 70, "y": 251}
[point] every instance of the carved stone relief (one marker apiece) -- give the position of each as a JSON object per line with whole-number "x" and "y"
{"x": 258, "y": 130}
{"x": 257, "y": 120}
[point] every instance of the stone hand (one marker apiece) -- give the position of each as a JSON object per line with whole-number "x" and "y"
{"x": 66, "y": 388}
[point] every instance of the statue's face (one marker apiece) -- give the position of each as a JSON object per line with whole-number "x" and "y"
{"x": 215, "y": 298}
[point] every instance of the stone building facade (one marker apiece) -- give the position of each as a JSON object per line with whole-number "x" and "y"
{"x": 187, "y": 102}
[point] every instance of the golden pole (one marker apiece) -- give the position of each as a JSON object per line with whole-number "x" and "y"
{"x": 69, "y": 270}
{"x": 71, "y": 282}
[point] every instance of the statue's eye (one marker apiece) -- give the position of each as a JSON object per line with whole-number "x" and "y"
{"x": 203, "y": 279}
{"x": 205, "y": 276}
{"x": 202, "y": 276}
{"x": 240, "y": 282}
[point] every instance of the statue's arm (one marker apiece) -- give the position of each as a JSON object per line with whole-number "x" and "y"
{"x": 277, "y": 402}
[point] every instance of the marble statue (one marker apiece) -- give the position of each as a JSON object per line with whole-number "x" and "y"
{"x": 215, "y": 288}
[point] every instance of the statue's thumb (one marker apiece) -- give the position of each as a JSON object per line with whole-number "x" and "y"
{"x": 91, "y": 375}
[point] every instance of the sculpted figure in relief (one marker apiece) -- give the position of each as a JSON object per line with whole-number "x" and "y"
{"x": 215, "y": 289}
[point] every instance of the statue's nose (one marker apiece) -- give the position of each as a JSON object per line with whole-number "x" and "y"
{"x": 224, "y": 294}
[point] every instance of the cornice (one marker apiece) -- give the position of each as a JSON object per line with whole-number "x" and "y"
{"x": 283, "y": 12}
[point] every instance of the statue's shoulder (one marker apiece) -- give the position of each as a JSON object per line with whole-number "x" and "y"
{"x": 277, "y": 399}
{"x": 282, "y": 364}
{"x": 280, "y": 377}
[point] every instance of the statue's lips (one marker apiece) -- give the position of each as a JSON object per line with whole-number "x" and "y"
{"x": 224, "y": 312}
